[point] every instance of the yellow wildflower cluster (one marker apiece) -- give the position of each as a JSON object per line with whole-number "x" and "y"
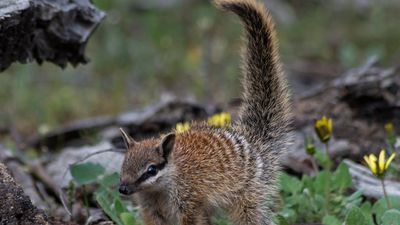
{"x": 217, "y": 120}
{"x": 323, "y": 128}
{"x": 220, "y": 120}
{"x": 379, "y": 166}
{"x": 182, "y": 127}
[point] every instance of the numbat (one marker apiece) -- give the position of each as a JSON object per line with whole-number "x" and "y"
{"x": 183, "y": 177}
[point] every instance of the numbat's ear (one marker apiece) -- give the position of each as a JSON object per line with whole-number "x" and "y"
{"x": 167, "y": 144}
{"x": 129, "y": 142}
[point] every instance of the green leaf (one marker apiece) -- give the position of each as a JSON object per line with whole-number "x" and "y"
{"x": 354, "y": 200}
{"x": 109, "y": 184}
{"x": 355, "y": 196}
{"x": 105, "y": 204}
{"x": 366, "y": 208}
{"x": 307, "y": 182}
{"x": 280, "y": 220}
{"x": 331, "y": 220}
{"x": 290, "y": 184}
{"x": 322, "y": 182}
{"x": 127, "y": 218}
{"x": 86, "y": 173}
{"x": 110, "y": 180}
{"x": 118, "y": 206}
{"x": 323, "y": 159}
{"x": 380, "y": 207}
{"x": 287, "y": 215}
{"x": 391, "y": 217}
{"x": 356, "y": 217}
{"x": 342, "y": 178}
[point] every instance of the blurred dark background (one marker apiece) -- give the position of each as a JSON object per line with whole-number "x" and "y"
{"x": 146, "y": 50}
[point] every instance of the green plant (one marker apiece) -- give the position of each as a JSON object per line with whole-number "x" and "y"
{"x": 106, "y": 195}
{"x": 318, "y": 198}
{"x": 324, "y": 130}
{"x": 379, "y": 213}
{"x": 324, "y": 197}
{"x": 384, "y": 214}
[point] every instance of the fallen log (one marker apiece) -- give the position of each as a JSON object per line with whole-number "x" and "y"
{"x": 370, "y": 91}
{"x": 142, "y": 123}
{"x": 360, "y": 102}
{"x": 46, "y": 30}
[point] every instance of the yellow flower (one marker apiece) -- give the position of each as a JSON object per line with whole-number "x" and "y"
{"x": 220, "y": 120}
{"x": 182, "y": 127}
{"x": 379, "y": 166}
{"x": 323, "y": 128}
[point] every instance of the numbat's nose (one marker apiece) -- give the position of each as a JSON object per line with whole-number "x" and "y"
{"x": 125, "y": 189}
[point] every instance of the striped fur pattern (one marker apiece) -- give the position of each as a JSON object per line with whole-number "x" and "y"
{"x": 182, "y": 178}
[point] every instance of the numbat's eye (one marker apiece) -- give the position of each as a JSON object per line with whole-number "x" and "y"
{"x": 152, "y": 170}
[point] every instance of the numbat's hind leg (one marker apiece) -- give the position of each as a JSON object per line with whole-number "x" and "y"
{"x": 195, "y": 218}
{"x": 152, "y": 217}
{"x": 248, "y": 213}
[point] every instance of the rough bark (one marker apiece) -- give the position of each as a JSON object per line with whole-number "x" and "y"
{"x": 46, "y": 30}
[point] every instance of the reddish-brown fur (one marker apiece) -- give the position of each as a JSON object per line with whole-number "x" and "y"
{"x": 183, "y": 177}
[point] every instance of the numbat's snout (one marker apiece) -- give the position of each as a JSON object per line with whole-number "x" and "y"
{"x": 125, "y": 189}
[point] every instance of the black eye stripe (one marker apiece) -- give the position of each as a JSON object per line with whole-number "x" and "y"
{"x": 142, "y": 178}
{"x": 147, "y": 175}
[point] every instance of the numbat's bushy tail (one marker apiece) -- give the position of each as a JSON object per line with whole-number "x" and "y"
{"x": 181, "y": 177}
{"x": 265, "y": 111}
